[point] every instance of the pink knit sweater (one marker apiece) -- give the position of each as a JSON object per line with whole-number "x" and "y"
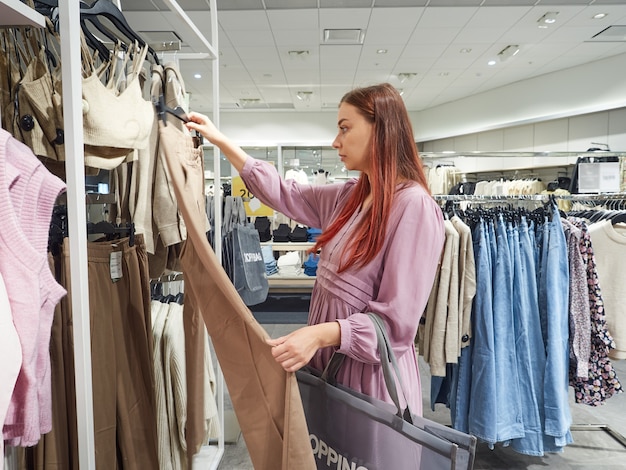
{"x": 27, "y": 195}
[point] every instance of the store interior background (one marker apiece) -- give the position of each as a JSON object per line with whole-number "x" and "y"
{"x": 563, "y": 93}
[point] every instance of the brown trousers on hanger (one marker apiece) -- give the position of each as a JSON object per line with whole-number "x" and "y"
{"x": 122, "y": 367}
{"x": 265, "y": 398}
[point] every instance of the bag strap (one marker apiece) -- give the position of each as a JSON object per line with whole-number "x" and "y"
{"x": 239, "y": 211}
{"x": 227, "y": 223}
{"x": 388, "y": 363}
{"x": 390, "y": 367}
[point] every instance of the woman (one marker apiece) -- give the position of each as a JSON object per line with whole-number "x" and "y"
{"x": 382, "y": 235}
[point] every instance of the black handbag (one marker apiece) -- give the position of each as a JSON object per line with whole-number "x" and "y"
{"x": 348, "y": 429}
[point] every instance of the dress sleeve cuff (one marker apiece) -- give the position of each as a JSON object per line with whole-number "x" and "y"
{"x": 247, "y": 166}
{"x": 346, "y": 336}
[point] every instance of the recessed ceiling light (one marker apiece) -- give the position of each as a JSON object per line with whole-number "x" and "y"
{"x": 197, "y": 75}
{"x": 508, "y": 51}
{"x": 444, "y": 74}
{"x": 381, "y": 51}
{"x": 298, "y": 54}
{"x": 465, "y": 50}
{"x": 547, "y": 19}
{"x": 404, "y": 76}
{"x": 304, "y": 95}
{"x": 491, "y": 62}
{"x": 599, "y": 16}
{"x": 249, "y": 101}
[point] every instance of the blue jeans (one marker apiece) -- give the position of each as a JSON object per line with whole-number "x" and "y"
{"x": 482, "y": 413}
{"x": 507, "y": 391}
{"x": 531, "y": 356}
{"x": 555, "y": 274}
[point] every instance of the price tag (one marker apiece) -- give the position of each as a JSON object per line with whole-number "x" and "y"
{"x": 115, "y": 265}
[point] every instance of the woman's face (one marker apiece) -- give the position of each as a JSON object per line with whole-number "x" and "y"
{"x": 353, "y": 141}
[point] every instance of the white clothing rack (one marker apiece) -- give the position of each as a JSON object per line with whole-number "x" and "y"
{"x": 16, "y": 13}
{"x": 530, "y": 197}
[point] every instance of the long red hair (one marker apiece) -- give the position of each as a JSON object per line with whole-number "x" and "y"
{"x": 393, "y": 158}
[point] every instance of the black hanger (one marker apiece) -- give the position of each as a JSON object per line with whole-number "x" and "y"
{"x": 112, "y": 231}
{"x": 46, "y": 7}
{"x": 108, "y": 10}
{"x": 162, "y": 108}
{"x": 618, "y": 217}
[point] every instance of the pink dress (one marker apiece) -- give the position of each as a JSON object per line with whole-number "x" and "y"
{"x": 395, "y": 284}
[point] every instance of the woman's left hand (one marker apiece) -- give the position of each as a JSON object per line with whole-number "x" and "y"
{"x": 296, "y": 349}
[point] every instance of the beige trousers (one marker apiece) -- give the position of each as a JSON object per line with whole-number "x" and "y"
{"x": 265, "y": 398}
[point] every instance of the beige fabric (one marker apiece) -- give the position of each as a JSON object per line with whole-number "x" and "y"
{"x": 440, "y": 338}
{"x": 265, "y": 398}
{"x": 123, "y": 120}
{"x": 165, "y": 207}
{"x": 143, "y": 178}
{"x": 44, "y": 99}
{"x": 467, "y": 281}
{"x": 158, "y": 312}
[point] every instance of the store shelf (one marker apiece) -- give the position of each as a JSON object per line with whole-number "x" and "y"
{"x": 289, "y": 246}
{"x": 16, "y": 13}
{"x": 281, "y": 283}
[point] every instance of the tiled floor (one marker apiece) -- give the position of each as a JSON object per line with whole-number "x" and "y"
{"x": 591, "y": 450}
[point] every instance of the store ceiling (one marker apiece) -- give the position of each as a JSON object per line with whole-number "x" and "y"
{"x": 446, "y": 44}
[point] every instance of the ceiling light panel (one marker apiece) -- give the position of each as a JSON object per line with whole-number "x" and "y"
{"x": 343, "y": 36}
{"x": 611, "y": 34}
{"x": 289, "y": 4}
{"x": 353, "y": 4}
{"x": 223, "y": 5}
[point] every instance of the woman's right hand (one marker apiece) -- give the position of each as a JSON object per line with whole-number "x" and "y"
{"x": 234, "y": 153}
{"x": 201, "y": 123}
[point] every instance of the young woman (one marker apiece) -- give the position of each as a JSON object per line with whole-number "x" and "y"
{"x": 382, "y": 236}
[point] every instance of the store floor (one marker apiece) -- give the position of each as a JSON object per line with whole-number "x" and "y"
{"x": 592, "y": 449}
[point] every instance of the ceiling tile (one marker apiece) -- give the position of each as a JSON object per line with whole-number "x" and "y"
{"x": 224, "y": 5}
{"x": 421, "y": 36}
{"x": 345, "y": 3}
{"x": 290, "y": 4}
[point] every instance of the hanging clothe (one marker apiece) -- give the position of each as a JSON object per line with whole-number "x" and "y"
{"x": 265, "y": 398}
{"x": 510, "y": 383}
{"x": 600, "y": 381}
{"x": 12, "y": 354}
{"x": 27, "y": 195}
{"x": 609, "y": 243}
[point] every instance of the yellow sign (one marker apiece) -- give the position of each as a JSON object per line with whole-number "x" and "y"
{"x": 253, "y": 206}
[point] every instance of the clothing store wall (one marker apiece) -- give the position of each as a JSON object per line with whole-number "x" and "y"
{"x": 544, "y": 98}
{"x": 572, "y": 134}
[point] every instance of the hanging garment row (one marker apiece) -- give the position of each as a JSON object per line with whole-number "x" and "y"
{"x": 167, "y": 305}
{"x": 143, "y": 235}
{"x": 120, "y": 129}
{"x": 530, "y": 334}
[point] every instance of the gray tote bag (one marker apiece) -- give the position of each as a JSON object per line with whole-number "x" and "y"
{"x": 351, "y": 430}
{"x": 242, "y": 257}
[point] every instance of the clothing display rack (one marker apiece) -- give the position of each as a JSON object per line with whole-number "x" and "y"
{"x": 545, "y": 198}
{"x": 16, "y": 13}
{"x": 532, "y": 197}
